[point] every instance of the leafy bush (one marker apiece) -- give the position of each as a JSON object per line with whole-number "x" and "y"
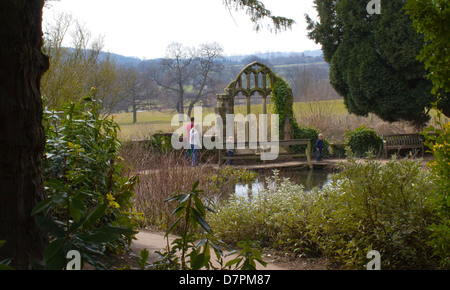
{"x": 274, "y": 217}
{"x": 160, "y": 142}
{"x": 308, "y": 132}
{"x": 4, "y": 265}
{"x": 370, "y": 206}
{"x": 194, "y": 249}
{"x": 89, "y": 206}
{"x": 338, "y": 150}
{"x": 438, "y": 140}
{"x": 363, "y": 140}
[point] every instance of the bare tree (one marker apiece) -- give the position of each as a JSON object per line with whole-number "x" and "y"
{"x": 133, "y": 90}
{"x": 186, "y": 67}
{"x": 302, "y": 79}
{"x": 107, "y": 79}
{"x": 206, "y": 70}
{"x": 74, "y": 71}
{"x": 174, "y": 72}
{"x": 305, "y": 81}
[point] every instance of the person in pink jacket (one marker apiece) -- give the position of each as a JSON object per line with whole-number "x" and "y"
{"x": 188, "y": 130}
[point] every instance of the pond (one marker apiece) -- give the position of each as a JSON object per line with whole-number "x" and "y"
{"x": 308, "y": 178}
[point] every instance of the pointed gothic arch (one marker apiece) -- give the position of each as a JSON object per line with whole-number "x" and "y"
{"x": 255, "y": 77}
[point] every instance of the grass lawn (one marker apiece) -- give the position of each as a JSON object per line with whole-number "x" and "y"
{"x": 150, "y": 122}
{"x": 153, "y": 117}
{"x": 331, "y": 117}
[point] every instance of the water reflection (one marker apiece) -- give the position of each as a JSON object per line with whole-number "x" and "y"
{"x": 308, "y": 178}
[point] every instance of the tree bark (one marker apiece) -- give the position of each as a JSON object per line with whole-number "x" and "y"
{"x": 134, "y": 106}
{"x": 22, "y": 140}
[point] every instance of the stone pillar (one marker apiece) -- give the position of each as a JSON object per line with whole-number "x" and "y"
{"x": 264, "y": 104}
{"x": 221, "y": 111}
{"x": 225, "y": 105}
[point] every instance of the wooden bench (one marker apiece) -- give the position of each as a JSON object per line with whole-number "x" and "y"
{"x": 256, "y": 154}
{"x": 402, "y": 141}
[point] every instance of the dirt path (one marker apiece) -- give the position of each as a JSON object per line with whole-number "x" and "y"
{"x": 155, "y": 241}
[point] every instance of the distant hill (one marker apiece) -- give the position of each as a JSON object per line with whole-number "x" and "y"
{"x": 121, "y": 60}
{"x": 274, "y": 55}
{"x": 276, "y": 58}
{"x": 270, "y": 58}
{"x": 314, "y": 53}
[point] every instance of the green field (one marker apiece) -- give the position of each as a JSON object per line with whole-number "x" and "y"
{"x": 330, "y": 117}
{"x": 150, "y": 122}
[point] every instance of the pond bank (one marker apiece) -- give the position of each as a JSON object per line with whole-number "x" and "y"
{"x": 329, "y": 165}
{"x": 298, "y": 172}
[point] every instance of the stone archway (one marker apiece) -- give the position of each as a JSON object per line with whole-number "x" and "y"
{"x": 254, "y": 78}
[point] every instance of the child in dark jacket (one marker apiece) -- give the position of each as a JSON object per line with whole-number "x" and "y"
{"x": 319, "y": 145}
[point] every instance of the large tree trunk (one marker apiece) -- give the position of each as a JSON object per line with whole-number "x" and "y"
{"x": 21, "y": 133}
{"x": 134, "y": 106}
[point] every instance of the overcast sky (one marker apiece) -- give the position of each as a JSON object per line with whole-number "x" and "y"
{"x": 144, "y": 28}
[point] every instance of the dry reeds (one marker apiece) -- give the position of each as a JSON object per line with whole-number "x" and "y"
{"x": 163, "y": 174}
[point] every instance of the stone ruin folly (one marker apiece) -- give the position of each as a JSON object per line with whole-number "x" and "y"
{"x": 254, "y": 78}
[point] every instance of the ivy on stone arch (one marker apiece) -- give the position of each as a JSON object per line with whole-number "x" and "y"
{"x": 282, "y": 100}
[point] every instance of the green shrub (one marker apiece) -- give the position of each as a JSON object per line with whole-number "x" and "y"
{"x": 4, "y": 265}
{"x": 274, "y": 217}
{"x": 89, "y": 206}
{"x": 438, "y": 140}
{"x": 370, "y": 206}
{"x": 160, "y": 142}
{"x": 192, "y": 250}
{"x": 311, "y": 133}
{"x": 338, "y": 150}
{"x": 363, "y": 140}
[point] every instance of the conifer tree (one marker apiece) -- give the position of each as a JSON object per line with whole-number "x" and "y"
{"x": 372, "y": 59}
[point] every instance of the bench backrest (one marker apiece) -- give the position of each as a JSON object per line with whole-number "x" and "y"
{"x": 403, "y": 139}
